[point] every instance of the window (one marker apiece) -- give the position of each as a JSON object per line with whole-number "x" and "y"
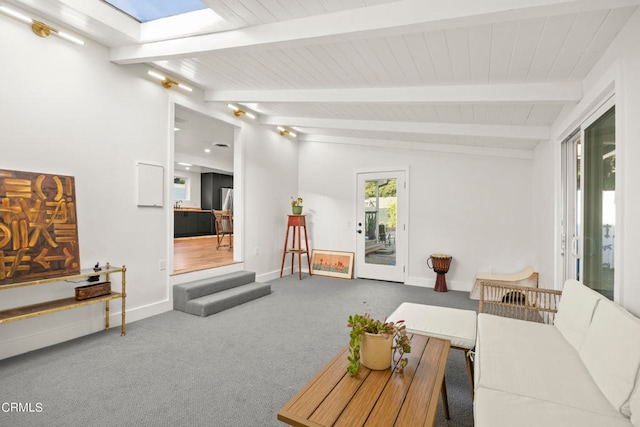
{"x": 180, "y": 188}
{"x": 149, "y": 10}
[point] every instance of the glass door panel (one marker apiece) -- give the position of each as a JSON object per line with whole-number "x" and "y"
{"x": 599, "y": 204}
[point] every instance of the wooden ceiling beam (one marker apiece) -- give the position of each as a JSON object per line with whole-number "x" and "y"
{"x": 478, "y": 150}
{"x": 561, "y": 92}
{"x": 382, "y": 20}
{"x": 534, "y": 133}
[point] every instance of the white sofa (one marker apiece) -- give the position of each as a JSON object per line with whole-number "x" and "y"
{"x": 582, "y": 370}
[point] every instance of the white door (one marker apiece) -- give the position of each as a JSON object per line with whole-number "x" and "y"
{"x": 381, "y": 225}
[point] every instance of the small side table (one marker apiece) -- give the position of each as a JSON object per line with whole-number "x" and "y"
{"x": 298, "y": 222}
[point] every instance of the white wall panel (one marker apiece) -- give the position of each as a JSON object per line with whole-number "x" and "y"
{"x": 476, "y": 208}
{"x": 270, "y": 177}
{"x": 83, "y": 116}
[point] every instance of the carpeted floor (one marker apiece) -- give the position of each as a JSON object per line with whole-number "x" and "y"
{"x": 235, "y": 368}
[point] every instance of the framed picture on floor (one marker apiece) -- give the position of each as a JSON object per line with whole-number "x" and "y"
{"x": 332, "y": 263}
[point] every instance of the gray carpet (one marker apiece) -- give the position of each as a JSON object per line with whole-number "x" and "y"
{"x": 235, "y": 368}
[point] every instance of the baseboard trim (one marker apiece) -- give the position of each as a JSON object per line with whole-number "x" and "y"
{"x": 52, "y": 336}
{"x": 452, "y": 285}
{"x": 267, "y": 277}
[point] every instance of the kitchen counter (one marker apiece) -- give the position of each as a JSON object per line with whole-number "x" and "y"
{"x": 191, "y": 210}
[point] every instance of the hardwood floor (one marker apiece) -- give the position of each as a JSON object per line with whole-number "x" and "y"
{"x": 199, "y": 253}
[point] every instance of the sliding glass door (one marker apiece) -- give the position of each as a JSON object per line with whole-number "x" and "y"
{"x": 589, "y": 211}
{"x": 599, "y": 204}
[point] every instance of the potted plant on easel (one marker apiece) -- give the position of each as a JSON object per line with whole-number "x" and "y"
{"x": 376, "y": 343}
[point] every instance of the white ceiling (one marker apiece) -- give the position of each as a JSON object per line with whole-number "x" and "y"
{"x": 198, "y": 133}
{"x": 491, "y": 74}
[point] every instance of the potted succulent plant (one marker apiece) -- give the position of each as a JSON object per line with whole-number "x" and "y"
{"x": 376, "y": 343}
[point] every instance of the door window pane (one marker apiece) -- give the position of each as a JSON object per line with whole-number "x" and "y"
{"x": 380, "y": 204}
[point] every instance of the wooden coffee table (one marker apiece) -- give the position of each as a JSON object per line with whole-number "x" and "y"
{"x": 380, "y": 398}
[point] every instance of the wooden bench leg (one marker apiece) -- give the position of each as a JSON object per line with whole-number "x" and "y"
{"x": 469, "y": 364}
{"x": 445, "y": 401}
{"x": 469, "y": 372}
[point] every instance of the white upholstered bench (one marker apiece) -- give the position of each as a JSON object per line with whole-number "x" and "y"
{"x": 455, "y": 325}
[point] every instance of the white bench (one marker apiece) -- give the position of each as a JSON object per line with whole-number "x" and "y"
{"x": 455, "y": 325}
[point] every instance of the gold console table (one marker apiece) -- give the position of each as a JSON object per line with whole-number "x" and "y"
{"x": 47, "y": 307}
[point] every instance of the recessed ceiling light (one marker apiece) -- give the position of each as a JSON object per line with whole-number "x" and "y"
{"x": 184, "y": 164}
{"x": 206, "y": 150}
{"x": 176, "y": 129}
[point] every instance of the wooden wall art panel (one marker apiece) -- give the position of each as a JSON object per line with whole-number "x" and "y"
{"x": 38, "y": 226}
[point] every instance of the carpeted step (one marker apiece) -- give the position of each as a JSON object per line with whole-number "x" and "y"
{"x": 219, "y": 301}
{"x": 185, "y": 292}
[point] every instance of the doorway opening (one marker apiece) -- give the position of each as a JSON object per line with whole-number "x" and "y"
{"x": 202, "y": 183}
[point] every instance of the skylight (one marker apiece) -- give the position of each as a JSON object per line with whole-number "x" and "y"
{"x": 150, "y": 10}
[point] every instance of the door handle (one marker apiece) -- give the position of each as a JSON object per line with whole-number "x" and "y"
{"x": 574, "y": 246}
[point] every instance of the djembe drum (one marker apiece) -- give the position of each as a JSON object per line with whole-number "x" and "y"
{"x": 440, "y": 264}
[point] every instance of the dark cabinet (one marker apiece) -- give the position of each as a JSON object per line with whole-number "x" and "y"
{"x": 211, "y": 183}
{"x": 187, "y": 224}
{"x": 204, "y": 222}
{"x": 184, "y": 224}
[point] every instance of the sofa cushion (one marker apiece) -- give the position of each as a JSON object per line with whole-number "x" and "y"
{"x": 493, "y": 408}
{"x": 611, "y": 352}
{"x": 534, "y": 360}
{"x": 575, "y": 311}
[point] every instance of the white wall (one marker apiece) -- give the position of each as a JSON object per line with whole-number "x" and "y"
{"x": 616, "y": 71}
{"x": 544, "y": 240}
{"x": 270, "y": 178}
{"x": 476, "y": 208}
{"x": 66, "y": 109}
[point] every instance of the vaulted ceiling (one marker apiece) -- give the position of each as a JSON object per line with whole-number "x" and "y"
{"x": 490, "y": 74}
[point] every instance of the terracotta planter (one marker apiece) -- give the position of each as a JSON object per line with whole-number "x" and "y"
{"x": 375, "y": 351}
{"x": 297, "y": 210}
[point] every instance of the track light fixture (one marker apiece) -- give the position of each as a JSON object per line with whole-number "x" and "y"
{"x": 286, "y": 132}
{"x": 238, "y": 112}
{"x": 167, "y": 82}
{"x": 39, "y": 28}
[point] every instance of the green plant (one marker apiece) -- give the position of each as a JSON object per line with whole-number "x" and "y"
{"x": 360, "y": 324}
{"x": 296, "y": 201}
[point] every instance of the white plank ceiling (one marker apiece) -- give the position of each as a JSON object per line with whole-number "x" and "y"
{"x": 493, "y": 74}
